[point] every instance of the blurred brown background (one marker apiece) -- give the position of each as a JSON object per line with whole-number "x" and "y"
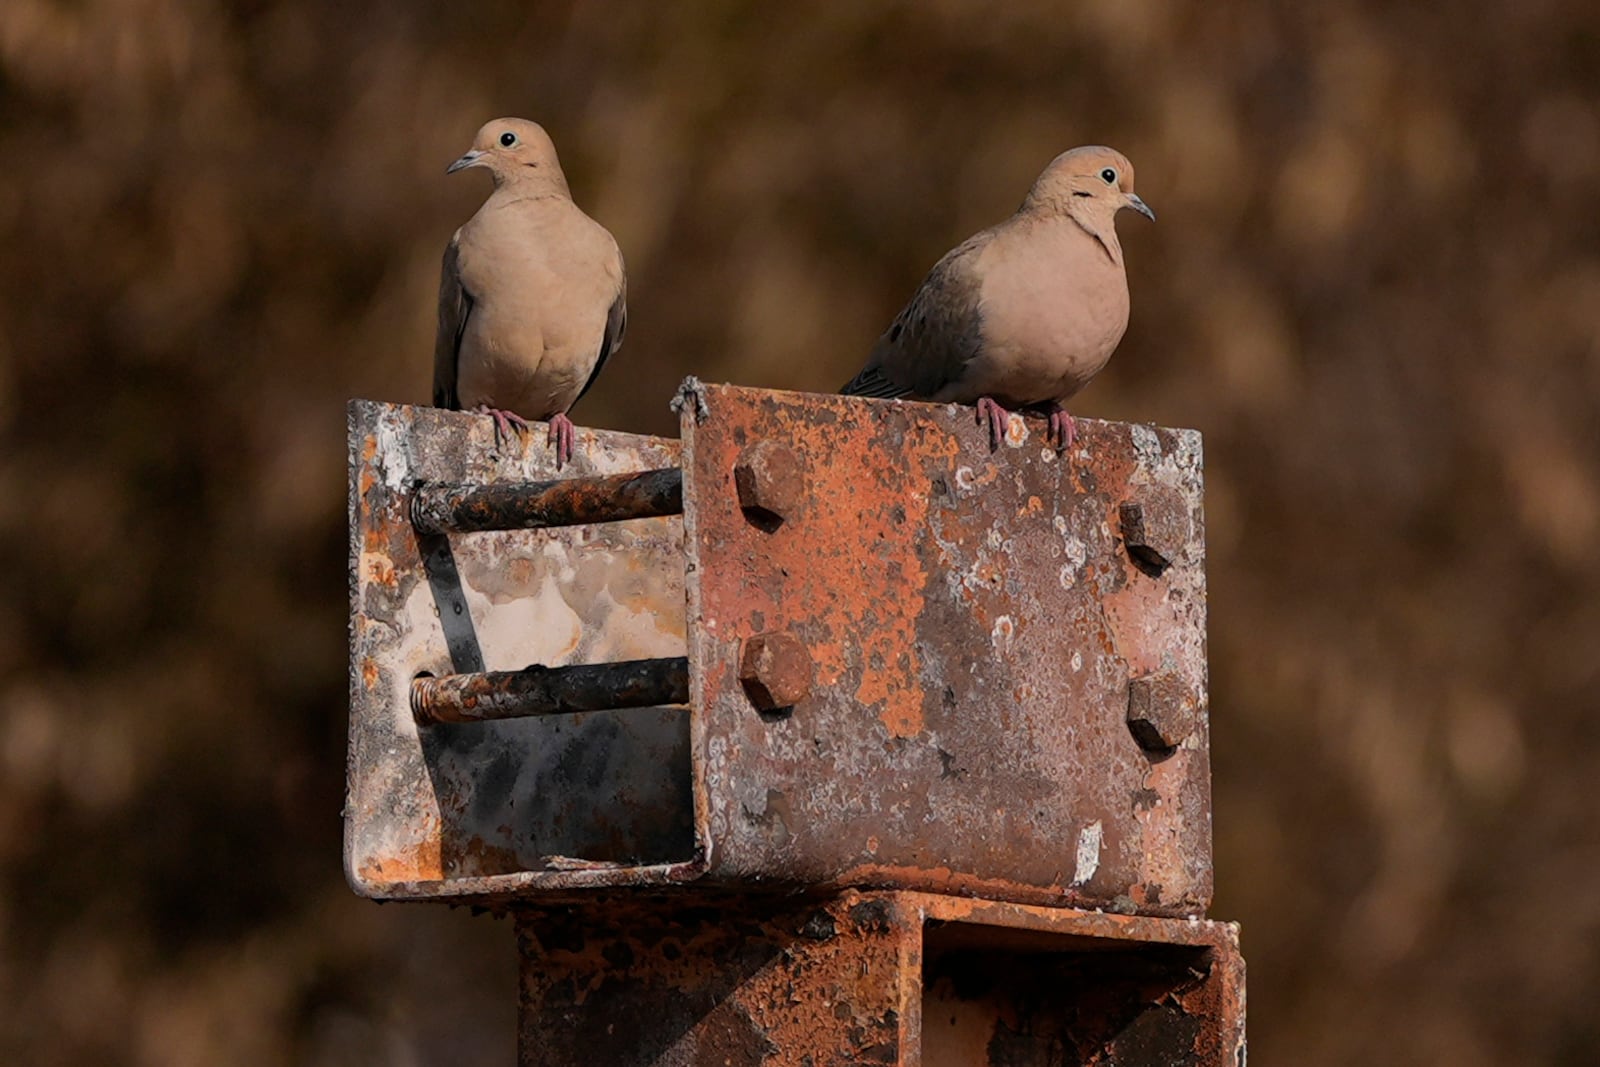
{"x": 1375, "y": 285}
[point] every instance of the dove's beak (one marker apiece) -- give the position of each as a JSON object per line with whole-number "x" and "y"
{"x": 1141, "y": 207}
{"x": 469, "y": 160}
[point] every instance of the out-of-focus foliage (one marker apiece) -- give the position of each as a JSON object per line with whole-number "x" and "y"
{"x": 1375, "y": 285}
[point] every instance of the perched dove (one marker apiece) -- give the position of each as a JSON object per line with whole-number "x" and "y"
{"x": 1023, "y": 314}
{"x": 532, "y": 298}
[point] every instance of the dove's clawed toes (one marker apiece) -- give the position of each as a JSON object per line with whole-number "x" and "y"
{"x": 563, "y": 436}
{"x": 1062, "y": 430}
{"x": 997, "y": 417}
{"x": 507, "y": 424}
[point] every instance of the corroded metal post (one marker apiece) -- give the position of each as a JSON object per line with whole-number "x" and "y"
{"x": 439, "y": 508}
{"x": 536, "y": 690}
{"x": 847, "y": 739}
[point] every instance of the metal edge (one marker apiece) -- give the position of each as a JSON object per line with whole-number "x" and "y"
{"x": 505, "y": 888}
{"x": 358, "y": 414}
{"x": 690, "y": 406}
{"x": 1110, "y": 926}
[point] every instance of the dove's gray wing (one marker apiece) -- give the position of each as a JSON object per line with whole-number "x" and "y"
{"x": 616, "y": 326}
{"x": 455, "y": 306}
{"x": 936, "y": 334}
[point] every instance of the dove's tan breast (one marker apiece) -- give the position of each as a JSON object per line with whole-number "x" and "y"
{"x": 1053, "y": 307}
{"x": 541, "y": 286}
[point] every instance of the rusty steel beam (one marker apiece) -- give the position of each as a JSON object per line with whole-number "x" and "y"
{"x": 922, "y": 671}
{"x": 495, "y": 695}
{"x": 446, "y": 508}
{"x": 887, "y": 978}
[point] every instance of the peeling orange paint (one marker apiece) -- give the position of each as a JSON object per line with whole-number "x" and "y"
{"x": 379, "y": 568}
{"x": 419, "y": 863}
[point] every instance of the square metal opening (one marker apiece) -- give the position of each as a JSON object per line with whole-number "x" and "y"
{"x": 994, "y": 996}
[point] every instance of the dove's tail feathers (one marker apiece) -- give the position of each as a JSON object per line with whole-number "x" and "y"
{"x": 872, "y": 382}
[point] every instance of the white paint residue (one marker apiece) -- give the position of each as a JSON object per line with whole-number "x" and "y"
{"x": 391, "y": 453}
{"x": 1088, "y": 853}
{"x": 1077, "y": 662}
{"x": 541, "y": 628}
{"x": 1076, "y": 552}
{"x": 1003, "y": 630}
{"x": 963, "y": 477}
{"x": 1147, "y": 445}
{"x": 1190, "y": 452}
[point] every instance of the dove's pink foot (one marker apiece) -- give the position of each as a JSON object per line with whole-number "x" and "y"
{"x": 997, "y": 417}
{"x": 1062, "y": 429}
{"x": 562, "y": 436}
{"x": 506, "y": 423}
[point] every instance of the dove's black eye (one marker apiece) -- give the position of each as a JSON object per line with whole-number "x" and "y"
{"x": 508, "y": 139}
{"x": 1109, "y": 176}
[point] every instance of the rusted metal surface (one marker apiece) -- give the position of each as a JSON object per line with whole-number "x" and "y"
{"x": 443, "y": 509}
{"x": 947, "y": 708}
{"x": 972, "y": 622}
{"x": 477, "y": 809}
{"x": 908, "y": 979}
{"x": 492, "y": 695}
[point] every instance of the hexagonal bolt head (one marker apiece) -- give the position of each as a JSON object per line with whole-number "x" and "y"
{"x": 775, "y": 670}
{"x": 1155, "y": 529}
{"x": 1163, "y": 711}
{"x": 771, "y": 482}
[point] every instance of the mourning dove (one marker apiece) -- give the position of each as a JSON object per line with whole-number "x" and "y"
{"x": 1025, "y": 313}
{"x": 532, "y": 296}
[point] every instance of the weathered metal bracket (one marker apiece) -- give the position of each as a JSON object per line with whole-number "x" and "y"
{"x": 905, "y": 979}
{"x": 911, "y": 662}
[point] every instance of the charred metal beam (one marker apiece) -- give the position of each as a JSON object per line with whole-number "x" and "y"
{"x": 640, "y": 683}
{"x": 443, "y": 508}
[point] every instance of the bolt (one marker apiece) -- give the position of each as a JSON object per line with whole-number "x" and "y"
{"x": 776, "y": 672}
{"x": 771, "y": 483}
{"x": 1162, "y": 711}
{"x": 1155, "y": 529}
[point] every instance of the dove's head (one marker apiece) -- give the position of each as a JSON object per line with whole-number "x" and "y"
{"x": 516, "y": 152}
{"x": 1093, "y": 182}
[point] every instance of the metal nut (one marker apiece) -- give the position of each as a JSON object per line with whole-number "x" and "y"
{"x": 771, "y": 482}
{"x": 1155, "y": 529}
{"x": 775, "y": 670}
{"x": 1163, "y": 711}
